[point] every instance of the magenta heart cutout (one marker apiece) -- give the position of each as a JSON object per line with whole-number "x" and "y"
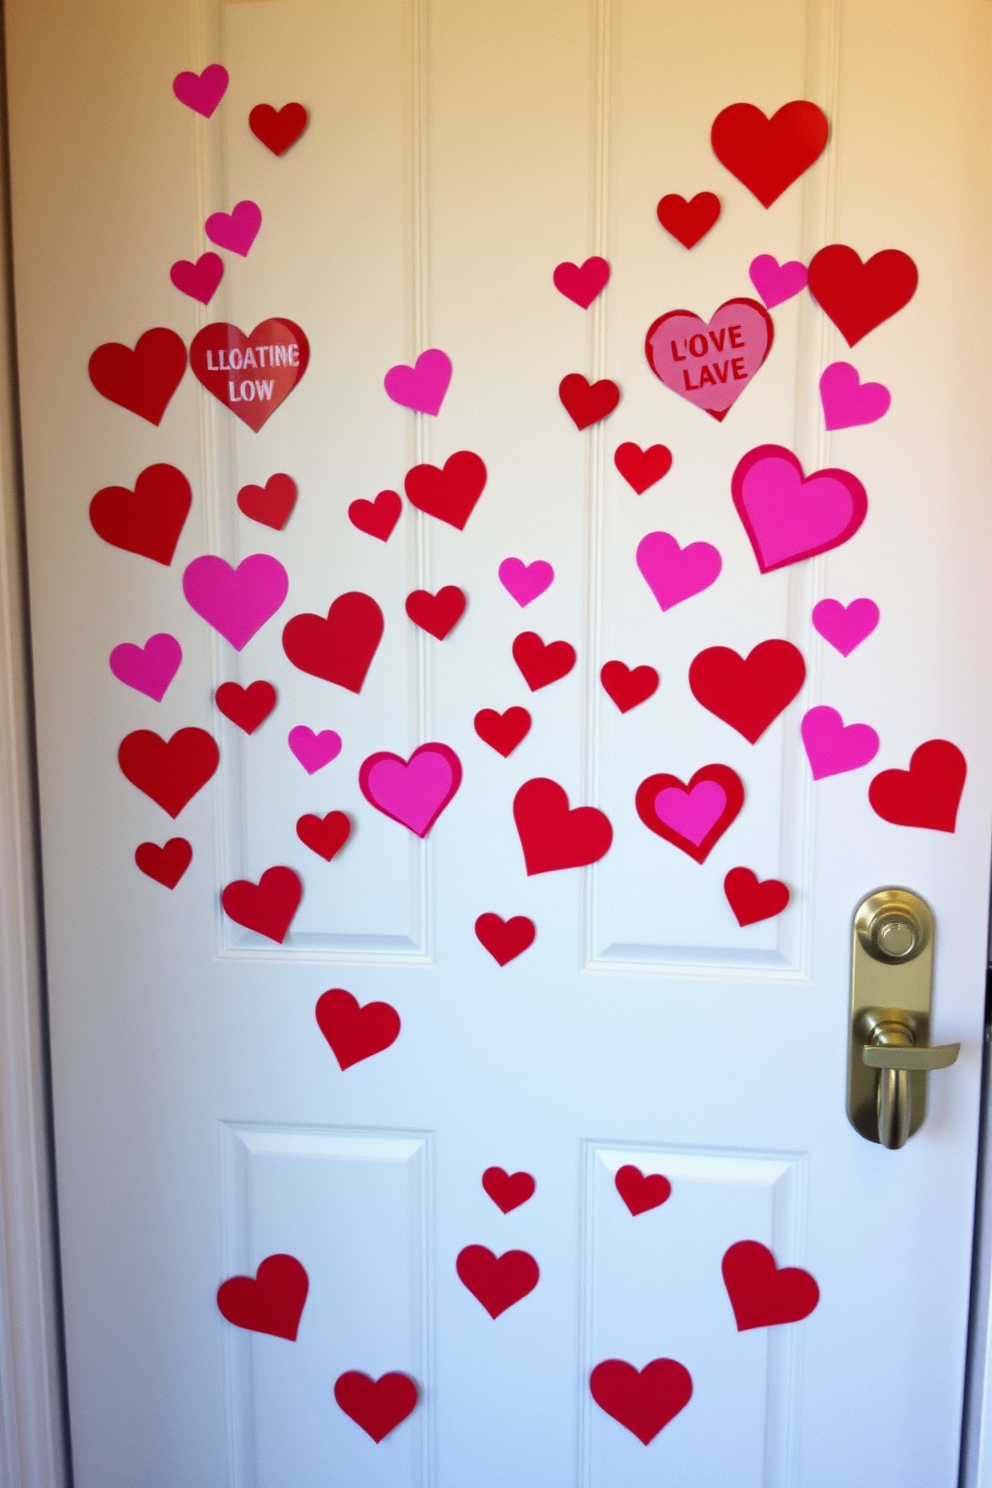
{"x": 833, "y": 749}
{"x": 845, "y": 628}
{"x": 148, "y": 668}
{"x": 314, "y": 751}
{"x": 413, "y": 792}
{"x": 581, "y": 284}
{"x": 198, "y": 280}
{"x": 235, "y": 230}
{"x": 201, "y": 91}
{"x": 776, "y": 282}
{"x": 787, "y": 517}
{"x": 236, "y": 601}
{"x": 673, "y": 573}
{"x": 710, "y": 365}
{"x": 847, "y": 401}
{"x": 525, "y": 581}
{"x": 691, "y": 813}
{"x": 421, "y": 387}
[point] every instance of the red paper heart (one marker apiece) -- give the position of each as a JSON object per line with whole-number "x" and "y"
{"x": 271, "y": 1301}
{"x": 761, "y": 1294}
{"x": 642, "y": 468}
{"x": 748, "y": 693}
{"x": 378, "y": 517}
{"x": 353, "y": 1032}
{"x": 722, "y": 775}
{"x": 250, "y": 375}
{"x": 142, "y": 380}
{"x": 642, "y": 1400}
{"x": 689, "y": 221}
{"x": 508, "y": 1190}
{"x": 171, "y": 773}
{"x": 498, "y": 1282}
{"x": 438, "y": 613}
{"x": 925, "y": 795}
{"x": 271, "y": 504}
{"x": 628, "y": 687}
{"x": 147, "y": 520}
{"x": 767, "y": 155}
{"x": 502, "y": 731}
{"x": 166, "y": 865}
{"x": 753, "y": 900}
{"x": 586, "y": 403}
{"x": 325, "y": 835}
{"x": 378, "y": 1406}
{"x": 582, "y": 283}
{"x": 449, "y": 494}
{"x": 542, "y": 664}
{"x": 277, "y": 128}
{"x": 505, "y": 939}
{"x": 640, "y": 1191}
{"x": 339, "y": 649}
{"x": 267, "y": 907}
{"x": 554, "y": 837}
{"x": 860, "y": 296}
{"x": 246, "y": 706}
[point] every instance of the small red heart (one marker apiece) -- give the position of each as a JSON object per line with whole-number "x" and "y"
{"x": 761, "y": 1294}
{"x": 642, "y": 468}
{"x": 542, "y": 664}
{"x": 860, "y": 296}
{"x": 582, "y": 283}
{"x": 378, "y": 517}
{"x": 198, "y": 280}
{"x": 251, "y": 375}
{"x": 438, "y": 613}
{"x": 502, "y": 731}
{"x": 752, "y": 900}
{"x": 505, "y": 939}
{"x": 246, "y": 706}
{"x": 586, "y": 403}
{"x": 339, "y": 649}
{"x": 449, "y": 494}
{"x": 166, "y": 865}
{"x": 170, "y": 772}
{"x": 498, "y": 1282}
{"x": 748, "y": 693}
{"x": 267, "y": 907}
{"x": 689, "y": 221}
{"x": 271, "y": 1301}
{"x": 378, "y": 1406}
{"x": 142, "y": 380}
{"x": 147, "y": 520}
{"x": 767, "y": 155}
{"x": 325, "y": 835}
{"x": 642, "y": 1400}
{"x": 508, "y": 1190}
{"x": 640, "y": 1191}
{"x": 277, "y": 128}
{"x": 554, "y": 837}
{"x": 628, "y": 687}
{"x": 928, "y": 793}
{"x": 271, "y": 504}
{"x": 728, "y": 781}
{"x": 353, "y": 1032}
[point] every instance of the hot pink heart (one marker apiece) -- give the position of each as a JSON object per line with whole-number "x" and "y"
{"x": 314, "y": 751}
{"x": 776, "y": 282}
{"x": 525, "y": 581}
{"x": 421, "y": 387}
{"x": 712, "y": 364}
{"x": 691, "y": 813}
{"x": 847, "y": 401}
{"x": 201, "y": 91}
{"x": 673, "y": 573}
{"x": 149, "y": 668}
{"x": 582, "y": 285}
{"x": 787, "y": 517}
{"x": 198, "y": 280}
{"x": 831, "y": 748}
{"x": 413, "y": 792}
{"x": 845, "y": 628}
{"x": 235, "y": 230}
{"x": 236, "y": 601}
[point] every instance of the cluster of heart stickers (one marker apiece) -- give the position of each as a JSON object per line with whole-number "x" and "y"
{"x": 500, "y": 1282}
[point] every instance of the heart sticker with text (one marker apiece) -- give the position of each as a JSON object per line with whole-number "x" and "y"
{"x": 752, "y": 899}
{"x": 788, "y": 516}
{"x": 762, "y": 1294}
{"x": 711, "y": 364}
{"x": 166, "y": 865}
{"x": 324, "y": 835}
{"x": 628, "y": 687}
{"x": 642, "y": 468}
{"x": 541, "y": 664}
{"x": 582, "y": 283}
{"x": 502, "y": 731}
{"x": 438, "y": 613}
{"x": 498, "y": 1282}
{"x": 508, "y": 1190}
{"x": 748, "y": 693}
{"x": 860, "y": 296}
{"x": 198, "y": 280}
{"x": 251, "y": 375}
{"x": 377, "y": 1406}
{"x": 412, "y": 792}
{"x": 271, "y": 1301}
{"x": 449, "y": 494}
{"x": 267, "y": 907}
{"x": 354, "y": 1032}
{"x": 689, "y": 221}
{"x": 143, "y": 380}
{"x": 236, "y": 601}
{"x": 271, "y": 504}
{"x": 644, "y": 1401}
{"x": 554, "y": 837}
{"x": 148, "y": 668}
{"x": 587, "y": 402}
{"x": 641, "y": 1191}
{"x": 170, "y": 772}
{"x": 277, "y": 128}
{"x": 147, "y": 520}
{"x": 421, "y": 387}
{"x": 767, "y": 155}
{"x": 378, "y": 517}
{"x": 246, "y": 706}
{"x": 928, "y": 793}
{"x": 691, "y": 817}
{"x": 505, "y": 940}
{"x": 339, "y": 649}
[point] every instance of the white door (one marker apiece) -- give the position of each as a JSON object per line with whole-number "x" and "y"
{"x": 288, "y": 1261}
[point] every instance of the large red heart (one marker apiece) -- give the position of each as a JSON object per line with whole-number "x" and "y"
{"x": 689, "y": 221}
{"x": 642, "y": 1400}
{"x": 767, "y": 155}
{"x": 502, "y": 731}
{"x": 339, "y": 649}
{"x": 748, "y": 693}
{"x": 246, "y": 706}
{"x": 171, "y": 773}
{"x": 378, "y": 517}
{"x": 586, "y": 403}
{"x": 640, "y": 1191}
{"x": 541, "y": 664}
{"x": 166, "y": 865}
{"x": 859, "y": 296}
{"x": 753, "y": 900}
{"x": 628, "y": 687}
{"x": 497, "y": 1281}
{"x": 378, "y": 1406}
{"x": 271, "y": 504}
{"x": 438, "y": 613}
{"x": 147, "y": 520}
{"x": 326, "y": 835}
{"x": 925, "y": 795}
{"x": 277, "y": 128}
{"x": 269, "y": 1302}
{"x": 505, "y": 939}
{"x": 353, "y": 1032}
{"x": 697, "y": 824}
{"x": 641, "y": 468}
{"x": 508, "y": 1190}
{"x": 250, "y": 375}
{"x": 554, "y": 837}
{"x": 142, "y": 380}
{"x": 761, "y": 1294}
{"x": 267, "y": 907}
{"x": 449, "y": 494}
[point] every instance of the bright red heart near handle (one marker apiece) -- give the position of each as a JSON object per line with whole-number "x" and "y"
{"x": 271, "y": 1301}
{"x": 928, "y": 793}
{"x": 761, "y": 1294}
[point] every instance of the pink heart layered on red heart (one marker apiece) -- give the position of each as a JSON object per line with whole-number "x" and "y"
{"x": 267, "y": 907}
{"x": 251, "y": 375}
{"x": 505, "y": 940}
{"x": 642, "y": 1400}
{"x": 412, "y": 792}
{"x": 271, "y": 1301}
{"x": 377, "y": 1406}
{"x": 641, "y": 1191}
{"x": 761, "y": 1294}
{"x": 508, "y": 1190}
{"x": 142, "y": 380}
{"x": 711, "y": 364}
{"x": 554, "y": 837}
{"x": 691, "y": 817}
{"x": 498, "y": 1282}
{"x": 788, "y": 516}
{"x": 354, "y": 1032}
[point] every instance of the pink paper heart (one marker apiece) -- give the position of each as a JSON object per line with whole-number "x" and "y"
{"x": 236, "y": 601}
{"x": 201, "y": 91}
{"x": 148, "y": 668}
{"x": 421, "y": 387}
{"x": 848, "y": 401}
{"x": 845, "y": 628}
{"x": 525, "y": 581}
{"x": 673, "y": 573}
{"x": 235, "y": 230}
{"x": 776, "y": 282}
{"x": 831, "y": 748}
{"x": 710, "y": 364}
{"x": 582, "y": 284}
{"x": 314, "y": 751}
{"x": 198, "y": 280}
{"x": 413, "y": 792}
{"x": 787, "y": 517}
{"x": 691, "y": 813}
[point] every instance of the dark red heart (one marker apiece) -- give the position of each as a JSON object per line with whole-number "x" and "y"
{"x": 142, "y": 380}
{"x": 753, "y": 900}
{"x": 542, "y": 664}
{"x": 246, "y": 706}
{"x": 324, "y": 835}
{"x": 353, "y": 1032}
{"x": 251, "y": 375}
{"x": 639, "y": 1191}
{"x": 271, "y": 1301}
{"x": 267, "y": 907}
{"x": 761, "y": 1294}
{"x": 147, "y": 520}
{"x": 689, "y": 221}
{"x": 508, "y": 1190}
{"x": 928, "y": 793}
{"x": 378, "y": 1406}
{"x": 449, "y": 494}
{"x": 505, "y": 939}
{"x": 628, "y": 687}
{"x": 438, "y": 613}
{"x": 277, "y": 128}
{"x": 378, "y": 517}
{"x": 339, "y": 649}
{"x": 166, "y": 865}
{"x": 767, "y": 155}
{"x": 554, "y": 837}
{"x": 642, "y": 468}
{"x": 859, "y": 296}
{"x": 748, "y": 693}
{"x": 171, "y": 773}
{"x": 722, "y": 775}
{"x": 497, "y": 1281}
{"x": 271, "y": 504}
{"x": 502, "y": 731}
{"x": 642, "y": 1400}
{"x": 586, "y": 403}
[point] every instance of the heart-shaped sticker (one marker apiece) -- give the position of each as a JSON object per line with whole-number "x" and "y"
{"x": 235, "y": 230}
{"x": 847, "y": 401}
{"x": 324, "y": 835}
{"x": 553, "y": 836}
{"x": 421, "y": 387}
{"x": 143, "y": 380}
{"x": 314, "y": 751}
{"x": 845, "y": 626}
{"x": 251, "y": 375}
{"x": 248, "y": 707}
{"x": 147, "y": 520}
{"x": 354, "y": 1032}
{"x": 508, "y": 1190}
{"x": 166, "y": 865}
{"x": 641, "y": 468}
{"x": 628, "y": 687}
{"x": 271, "y": 504}
{"x": 767, "y": 155}
{"x": 587, "y": 402}
{"x": 525, "y": 582}
{"x": 502, "y": 731}
{"x": 673, "y": 573}
{"x": 438, "y": 613}
{"x": 789, "y": 517}
{"x": 498, "y": 1282}
{"x": 691, "y": 817}
{"x": 169, "y": 771}
{"x": 236, "y": 601}
{"x": 641, "y": 1192}
{"x": 339, "y": 649}
{"x": 542, "y": 663}
{"x": 378, "y": 517}
{"x": 412, "y": 792}
{"x": 271, "y": 1301}
{"x": 860, "y": 296}
{"x": 148, "y": 668}
{"x": 832, "y": 748}
{"x": 711, "y": 364}
{"x": 267, "y": 907}
{"x": 277, "y": 128}
{"x": 689, "y": 221}
{"x": 776, "y": 282}
{"x": 377, "y": 1406}
{"x": 582, "y": 283}
{"x": 748, "y": 693}
{"x": 449, "y": 494}
{"x": 198, "y": 280}
{"x": 201, "y": 91}
{"x": 505, "y": 940}
{"x": 928, "y": 793}
{"x": 752, "y": 899}
{"x": 645, "y": 1400}
{"x": 762, "y": 1294}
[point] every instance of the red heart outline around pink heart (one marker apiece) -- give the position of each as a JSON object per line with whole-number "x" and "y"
{"x": 412, "y": 792}
{"x": 783, "y": 529}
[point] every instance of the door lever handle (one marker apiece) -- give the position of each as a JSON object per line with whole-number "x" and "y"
{"x": 940, "y": 1057}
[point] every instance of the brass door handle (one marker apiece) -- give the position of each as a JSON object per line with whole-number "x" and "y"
{"x": 941, "y": 1057}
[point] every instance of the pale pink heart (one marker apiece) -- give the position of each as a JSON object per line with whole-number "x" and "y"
{"x": 411, "y": 793}
{"x": 832, "y": 748}
{"x": 314, "y": 751}
{"x": 525, "y": 581}
{"x": 421, "y": 387}
{"x": 148, "y": 668}
{"x": 198, "y": 280}
{"x": 710, "y": 364}
{"x": 201, "y": 91}
{"x": 236, "y": 601}
{"x": 788, "y": 517}
{"x": 845, "y": 628}
{"x": 691, "y": 813}
{"x": 582, "y": 284}
{"x": 235, "y": 230}
{"x": 847, "y": 401}
{"x": 776, "y": 282}
{"x": 673, "y": 573}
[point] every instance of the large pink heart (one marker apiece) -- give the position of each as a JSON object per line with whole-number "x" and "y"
{"x": 691, "y": 813}
{"x": 673, "y": 573}
{"x": 710, "y": 365}
{"x": 412, "y": 792}
{"x": 789, "y": 518}
{"x": 421, "y": 387}
{"x": 833, "y": 749}
{"x": 236, "y": 601}
{"x": 148, "y": 668}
